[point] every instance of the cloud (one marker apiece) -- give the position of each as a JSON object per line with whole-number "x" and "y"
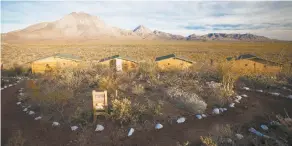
{"x": 182, "y": 18}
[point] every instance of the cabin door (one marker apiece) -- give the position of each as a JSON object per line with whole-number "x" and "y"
{"x": 119, "y": 64}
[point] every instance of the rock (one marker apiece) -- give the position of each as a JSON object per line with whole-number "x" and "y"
{"x": 246, "y": 88}
{"x": 237, "y": 101}
{"x": 274, "y": 93}
{"x": 239, "y": 136}
{"x": 181, "y": 120}
{"x": 221, "y": 110}
{"x": 231, "y": 105}
{"x": 199, "y": 117}
{"x": 9, "y": 85}
{"x": 224, "y": 109}
{"x": 56, "y": 124}
{"x": 238, "y": 97}
{"x": 38, "y": 118}
{"x": 2, "y": 88}
{"x": 99, "y": 128}
{"x": 25, "y": 109}
{"x": 21, "y": 94}
{"x": 265, "y": 127}
{"x": 5, "y": 87}
{"x": 74, "y": 128}
{"x": 18, "y": 103}
{"x": 244, "y": 95}
{"x": 216, "y": 111}
{"x": 289, "y": 96}
{"x": 31, "y": 112}
{"x": 158, "y": 126}
{"x": 229, "y": 140}
{"x": 131, "y": 132}
{"x": 204, "y": 116}
{"x": 260, "y": 91}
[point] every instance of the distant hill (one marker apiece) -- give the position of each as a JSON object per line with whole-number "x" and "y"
{"x": 228, "y": 37}
{"x": 85, "y": 26}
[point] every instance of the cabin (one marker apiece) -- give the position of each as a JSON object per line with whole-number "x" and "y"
{"x": 252, "y": 63}
{"x": 172, "y": 62}
{"x": 51, "y": 63}
{"x": 119, "y": 63}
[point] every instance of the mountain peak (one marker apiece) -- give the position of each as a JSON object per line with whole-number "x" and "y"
{"x": 142, "y": 30}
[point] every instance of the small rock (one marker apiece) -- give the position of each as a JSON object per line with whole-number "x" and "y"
{"x": 131, "y": 132}
{"x": 204, "y": 116}
{"x": 239, "y": 136}
{"x": 9, "y": 85}
{"x": 56, "y": 124}
{"x": 158, "y": 126}
{"x": 199, "y": 117}
{"x": 265, "y": 127}
{"x": 229, "y": 140}
{"x": 216, "y": 111}
{"x": 99, "y": 128}
{"x": 231, "y": 105}
{"x": 38, "y": 118}
{"x": 238, "y": 97}
{"x": 224, "y": 109}
{"x": 237, "y": 101}
{"x": 289, "y": 96}
{"x": 18, "y": 103}
{"x": 31, "y": 113}
{"x": 181, "y": 120}
{"x": 25, "y": 109}
{"x": 74, "y": 128}
{"x": 275, "y": 93}
{"x": 5, "y": 87}
{"x": 221, "y": 110}
{"x": 244, "y": 95}
{"x": 2, "y": 88}
{"x": 260, "y": 91}
{"x": 275, "y": 123}
{"x": 21, "y": 94}
{"x": 246, "y": 88}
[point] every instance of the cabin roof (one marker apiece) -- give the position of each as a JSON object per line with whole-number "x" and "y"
{"x": 254, "y": 58}
{"x": 172, "y": 56}
{"x": 62, "y": 56}
{"x": 117, "y": 57}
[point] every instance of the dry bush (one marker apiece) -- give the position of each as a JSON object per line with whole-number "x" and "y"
{"x": 190, "y": 101}
{"x": 207, "y": 141}
{"x": 138, "y": 89}
{"x": 227, "y": 77}
{"x": 81, "y": 116}
{"x": 122, "y": 110}
{"x": 16, "y": 139}
{"x": 214, "y": 95}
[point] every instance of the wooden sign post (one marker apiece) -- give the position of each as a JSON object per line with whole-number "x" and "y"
{"x": 100, "y": 105}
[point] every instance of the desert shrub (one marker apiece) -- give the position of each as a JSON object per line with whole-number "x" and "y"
{"x": 207, "y": 141}
{"x": 149, "y": 72}
{"x": 190, "y": 101}
{"x": 214, "y": 96}
{"x": 122, "y": 110}
{"x": 260, "y": 80}
{"x": 138, "y": 89}
{"x": 227, "y": 77}
{"x": 16, "y": 139}
{"x": 81, "y": 116}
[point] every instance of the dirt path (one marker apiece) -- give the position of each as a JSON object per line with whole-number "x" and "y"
{"x": 251, "y": 109}
{"x": 34, "y": 132}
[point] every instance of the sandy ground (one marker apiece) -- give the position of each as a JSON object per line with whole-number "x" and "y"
{"x": 252, "y": 111}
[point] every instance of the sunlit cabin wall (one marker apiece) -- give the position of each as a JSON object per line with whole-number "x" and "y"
{"x": 41, "y": 66}
{"x": 250, "y": 66}
{"x": 173, "y": 63}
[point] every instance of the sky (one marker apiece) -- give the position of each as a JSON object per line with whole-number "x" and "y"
{"x": 268, "y": 18}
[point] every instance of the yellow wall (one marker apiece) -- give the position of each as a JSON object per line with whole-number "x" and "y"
{"x": 127, "y": 65}
{"x": 173, "y": 63}
{"x": 254, "y": 67}
{"x": 40, "y": 66}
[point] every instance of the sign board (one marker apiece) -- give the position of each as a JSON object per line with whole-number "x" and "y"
{"x": 99, "y": 100}
{"x": 119, "y": 64}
